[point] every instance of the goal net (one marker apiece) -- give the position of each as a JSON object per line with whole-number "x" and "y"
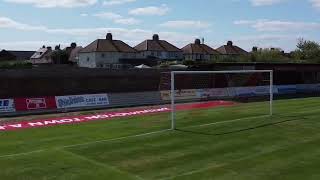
{"x": 200, "y": 98}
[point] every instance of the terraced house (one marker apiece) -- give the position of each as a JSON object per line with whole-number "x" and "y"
{"x": 198, "y": 51}
{"x": 231, "y": 50}
{"x": 159, "y": 49}
{"x": 106, "y": 53}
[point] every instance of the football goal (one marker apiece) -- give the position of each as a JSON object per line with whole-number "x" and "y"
{"x": 204, "y": 97}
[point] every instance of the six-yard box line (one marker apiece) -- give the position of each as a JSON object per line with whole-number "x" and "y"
{"x": 41, "y": 123}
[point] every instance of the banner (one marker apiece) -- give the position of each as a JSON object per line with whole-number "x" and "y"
{"x": 28, "y": 104}
{"x": 287, "y": 89}
{"x": 212, "y": 93}
{"x": 308, "y": 88}
{"x": 7, "y": 105}
{"x": 180, "y": 94}
{"x": 88, "y": 100}
{"x": 254, "y": 91}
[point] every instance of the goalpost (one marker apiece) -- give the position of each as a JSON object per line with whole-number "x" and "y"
{"x": 174, "y": 74}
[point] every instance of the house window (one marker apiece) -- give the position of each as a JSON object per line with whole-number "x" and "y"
{"x": 117, "y": 66}
{"x": 102, "y": 55}
{"x": 107, "y": 66}
{"x": 171, "y": 54}
{"x": 158, "y": 53}
{"x": 88, "y": 59}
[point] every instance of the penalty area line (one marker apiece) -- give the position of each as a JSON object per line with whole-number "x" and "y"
{"x": 115, "y": 139}
{"x": 227, "y": 121}
{"x": 145, "y": 134}
{"x": 84, "y": 144}
{"x": 22, "y": 154}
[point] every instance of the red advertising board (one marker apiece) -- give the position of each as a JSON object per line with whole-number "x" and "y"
{"x": 36, "y": 103}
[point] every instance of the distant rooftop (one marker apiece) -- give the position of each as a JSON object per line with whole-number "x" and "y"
{"x": 108, "y": 45}
{"x": 198, "y": 48}
{"x": 156, "y": 45}
{"x": 231, "y": 49}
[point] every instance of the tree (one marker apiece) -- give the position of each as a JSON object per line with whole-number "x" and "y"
{"x": 60, "y": 56}
{"x": 269, "y": 55}
{"x": 307, "y": 50}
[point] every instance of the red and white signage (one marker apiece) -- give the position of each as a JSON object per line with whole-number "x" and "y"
{"x": 28, "y": 104}
{"x": 107, "y": 116}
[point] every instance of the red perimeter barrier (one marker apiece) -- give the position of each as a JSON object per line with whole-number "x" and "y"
{"x": 36, "y": 103}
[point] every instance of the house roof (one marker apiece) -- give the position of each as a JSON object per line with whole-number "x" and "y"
{"x": 156, "y": 45}
{"x": 198, "y": 48}
{"x": 41, "y": 53}
{"x": 18, "y": 55}
{"x": 230, "y": 49}
{"x": 22, "y": 54}
{"x": 108, "y": 45}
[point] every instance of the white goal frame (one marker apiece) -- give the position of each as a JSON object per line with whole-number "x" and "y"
{"x": 173, "y": 73}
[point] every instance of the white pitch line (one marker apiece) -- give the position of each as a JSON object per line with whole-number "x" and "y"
{"x": 83, "y": 144}
{"x": 228, "y": 121}
{"x": 22, "y": 154}
{"x": 115, "y": 139}
{"x": 145, "y": 134}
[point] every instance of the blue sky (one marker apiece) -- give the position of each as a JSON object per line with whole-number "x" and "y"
{"x": 29, "y": 24}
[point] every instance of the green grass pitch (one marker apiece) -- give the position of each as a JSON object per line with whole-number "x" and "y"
{"x": 286, "y": 146}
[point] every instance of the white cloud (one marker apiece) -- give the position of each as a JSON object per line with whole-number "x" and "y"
{"x": 9, "y": 23}
{"x": 286, "y": 42}
{"x": 30, "y": 45}
{"x": 108, "y": 15}
{"x": 84, "y": 14}
{"x": 151, "y": 10}
{"x": 55, "y": 3}
{"x": 127, "y": 21}
{"x": 116, "y": 2}
{"x": 265, "y": 2}
{"x": 86, "y": 35}
{"x": 315, "y": 3}
{"x": 276, "y": 25}
{"x": 117, "y": 18}
{"x": 186, "y": 24}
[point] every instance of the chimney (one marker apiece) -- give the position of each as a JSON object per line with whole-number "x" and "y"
{"x": 255, "y": 49}
{"x": 49, "y": 48}
{"x": 43, "y": 46}
{"x": 57, "y": 47}
{"x": 109, "y": 37}
{"x": 155, "y": 37}
{"x": 202, "y": 40}
{"x": 229, "y": 43}
{"x": 197, "y": 41}
{"x": 73, "y": 45}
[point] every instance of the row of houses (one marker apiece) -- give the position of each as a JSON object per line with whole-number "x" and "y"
{"x": 116, "y": 54}
{"x": 110, "y": 53}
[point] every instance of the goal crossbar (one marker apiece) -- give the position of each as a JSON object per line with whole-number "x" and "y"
{"x": 173, "y": 73}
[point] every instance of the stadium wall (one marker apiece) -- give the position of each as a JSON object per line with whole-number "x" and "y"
{"x": 48, "y": 104}
{"x": 58, "y": 81}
